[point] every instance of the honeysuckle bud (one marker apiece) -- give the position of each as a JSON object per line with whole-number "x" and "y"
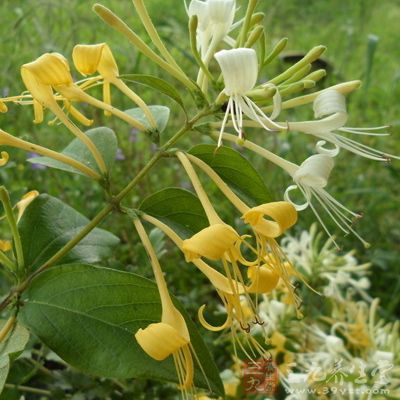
{"x": 89, "y": 59}
{"x": 25, "y": 201}
{"x": 330, "y": 106}
{"x": 212, "y": 242}
{"x": 240, "y": 69}
{"x": 7, "y": 139}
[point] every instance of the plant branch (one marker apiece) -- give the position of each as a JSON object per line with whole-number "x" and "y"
{"x": 114, "y": 204}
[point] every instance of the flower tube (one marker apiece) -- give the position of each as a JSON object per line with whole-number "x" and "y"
{"x": 171, "y": 335}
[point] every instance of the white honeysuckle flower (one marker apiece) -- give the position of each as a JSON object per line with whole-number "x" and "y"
{"x": 330, "y": 106}
{"x": 310, "y": 178}
{"x": 215, "y": 20}
{"x": 240, "y": 71}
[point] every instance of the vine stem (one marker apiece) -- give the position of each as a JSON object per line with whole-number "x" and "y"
{"x": 114, "y": 204}
{"x": 28, "y": 389}
{"x": 5, "y": 199}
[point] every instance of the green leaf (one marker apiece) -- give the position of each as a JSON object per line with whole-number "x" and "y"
{"x": 236, "y": 171}
{"x": 10, "y": 347}
{"x": 15, "y": 341}
{"x": 104, "y": 139}
{"x": 4, "y": 369}
{"x": 178, "y": 208}
{"x": 156, "y": 83}
{"x": 88, "y": 316}
{"x": 48, "y": 224}
{"x": 161, "y": 114}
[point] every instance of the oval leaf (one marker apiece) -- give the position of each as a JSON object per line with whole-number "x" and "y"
{"x": 103, "y": 138}
{"x": 11, "y": 347}
{"x": 160, "y": 113}
{"x": 236, "y": 171}
{"x": 88, "y": 315}
{"x": 178, "y": 208}
{"x": 48, "y": 224}
{"x": 156, "y": 83}
{"x": 15, "y": 341}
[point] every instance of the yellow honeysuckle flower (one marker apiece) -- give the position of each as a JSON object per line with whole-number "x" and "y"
{"x": 171, "y": 335}
{"x": 212, "y": 242}
{"x": 40, "y": 76}
{"x": 5, "y": 245}
{"x": 4, "y": 157}
{"x": 281, "y": 216}
{"x": 282, "y": 213}
{"x": 7, "y": 139}
{"x": 51, "y": 71}
{"x": 230, "y": 288}
{"x": 264, "y": 278}
{"x": 25, "y": 201}
{"x": 89, "y": 59}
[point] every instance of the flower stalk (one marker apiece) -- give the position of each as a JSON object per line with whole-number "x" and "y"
{"x": 9, "y": 140}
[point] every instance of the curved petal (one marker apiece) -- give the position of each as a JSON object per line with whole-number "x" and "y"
{"x": 282, "y": 213}
{"x": 160, "y": 340}
{"x": 211, "y": 242}
{"x": 210, "y": 327}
